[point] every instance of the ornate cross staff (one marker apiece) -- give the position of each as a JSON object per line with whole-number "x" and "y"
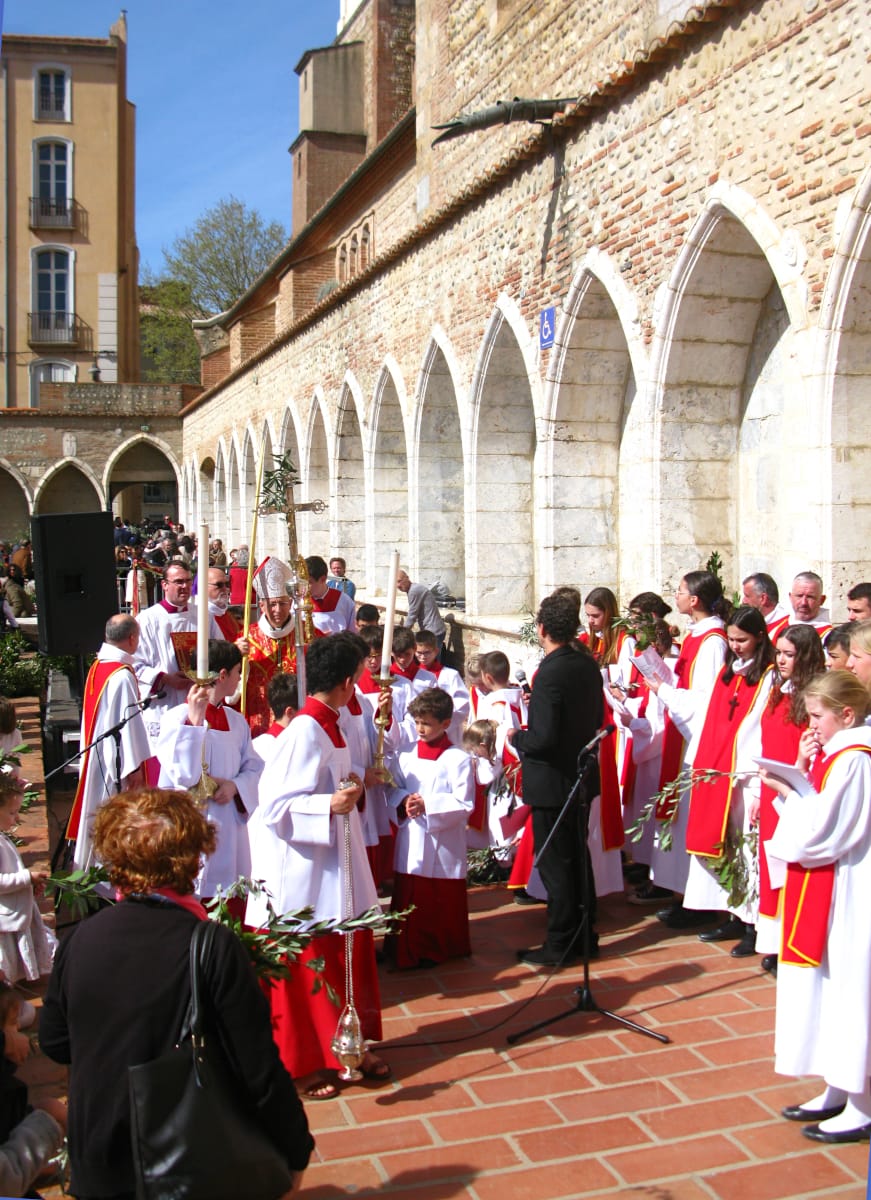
{"x": 277, "y": 497}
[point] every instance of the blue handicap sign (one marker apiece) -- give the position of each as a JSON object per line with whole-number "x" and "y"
{"x": 547, "y": 327}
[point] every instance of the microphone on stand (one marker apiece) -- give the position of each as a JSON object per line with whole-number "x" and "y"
{"x": 149, "y": 700}
{"x": 594, "y": 741}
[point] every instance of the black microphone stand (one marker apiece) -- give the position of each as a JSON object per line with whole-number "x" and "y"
{"x": 113, "y": 732}
{"x": 586, "y": 1002}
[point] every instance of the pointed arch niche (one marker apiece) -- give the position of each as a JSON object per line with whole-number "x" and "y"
{"x": 350, "y": 506}
{"x": 14, "y": 505}
{"x": 314, "y": 528}
{"x": 389, "y": 480}
{"x": 248, "y": 497}
{"x": 503, "y": 451}
{"x": 732, "y": 464}
{"x": 142, "y": 482}
{"x": 68, "y": 490}
{"x": 592, "y": 398}
{"x": 222, "y": 528}
{"x": 846, "y": 321}
{"x": 232, "y": 497}
{"x": 206, "y": 496}
{"x": 441, "y": 528}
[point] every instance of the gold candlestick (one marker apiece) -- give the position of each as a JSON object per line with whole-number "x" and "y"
{"x": 382, "y": 722}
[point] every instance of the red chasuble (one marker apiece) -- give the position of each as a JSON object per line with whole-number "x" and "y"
{"x": 807, "y": 892}
{"x": 672, "y": 738}
{"x": 780, "y": 739}
{"x": 95, "y": 685}
{"x": 268, "y": 657}
{"x": 729, "y": 706}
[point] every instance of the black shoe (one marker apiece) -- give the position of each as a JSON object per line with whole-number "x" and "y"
{"x": 795, "y": 1112}
{"x": 769, "y": 963}
{"x": 636, "y": 873}
{"x": 649, "y": 893}
{"x": 727, "y": 932}
{"x": 747, "y": 946}
{"x": 862, "y": 1134}
{"x": 545, "y": 957}
{"x": 522, "y": 896}
{"x": 678, "y": 917}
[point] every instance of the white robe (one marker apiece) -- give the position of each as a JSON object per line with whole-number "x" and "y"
{"x": 686, "y": 707}
{"x": 451, "y": 681}
{"x": 26, "y": 946}
{"x": 119, "y": 700}
{"x": 228, "y": 755}
{"x": 343, "y": 616}
{"x": 156, "y": 656}
{"x": 823, "y": 1018}
{"x": 434, "y": 845}
{"x": 297, "y": 843}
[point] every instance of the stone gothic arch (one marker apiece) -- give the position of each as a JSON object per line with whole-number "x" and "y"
{"x": 349, "y": 481}
{"x": 387, "y": 510}
{"x": 314, "y": 528}
{"x": 143, "y": 476}
{"x": 70, "y": 486}
{"x": 15, "y": 503}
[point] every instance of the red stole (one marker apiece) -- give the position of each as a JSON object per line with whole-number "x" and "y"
{"x": 775, "y": 630}
{"x": 807, "y": 892}
{"x": 228, "y": 625}
{"x": 672, "y": 738}
{"x": 629, "y": 767}
{"x": 780, "y": 739}
{"x": 95, "y": 685}
{"x": 434, "y": 750}
{"x": 326, "y": 717}
{"x": 327, "y": 603}
{"x": 729, "y": 706}
{"x": 611, "y": 814}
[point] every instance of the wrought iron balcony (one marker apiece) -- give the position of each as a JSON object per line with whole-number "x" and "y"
{"x": 46, "y": 213}
{"x": 55, "y": 329}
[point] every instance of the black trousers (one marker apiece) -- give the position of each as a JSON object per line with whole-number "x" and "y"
{"x": 561, "y": 868}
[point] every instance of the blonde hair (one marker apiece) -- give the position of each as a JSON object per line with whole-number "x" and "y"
{"x": 481, "y": 733}
{"x": 860, "y": 632}
{"x": 837, "y": 690}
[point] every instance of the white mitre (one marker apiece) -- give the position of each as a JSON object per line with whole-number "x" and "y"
{"x": 271, "y": 578}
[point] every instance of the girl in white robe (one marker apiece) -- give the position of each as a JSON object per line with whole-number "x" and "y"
{"x": 26, "y": 946}
{"x": 823, "y": 1020}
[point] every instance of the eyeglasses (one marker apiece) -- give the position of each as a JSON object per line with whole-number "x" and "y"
{"x": 220, "y": 587}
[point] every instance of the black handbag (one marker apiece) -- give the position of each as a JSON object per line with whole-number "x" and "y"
{"x": 193, "y": 1138}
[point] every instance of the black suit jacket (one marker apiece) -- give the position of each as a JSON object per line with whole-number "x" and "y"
{"x": 565, "y": 712}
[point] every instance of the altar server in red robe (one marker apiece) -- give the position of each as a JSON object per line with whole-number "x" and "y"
{"x": 823, "y": 1018}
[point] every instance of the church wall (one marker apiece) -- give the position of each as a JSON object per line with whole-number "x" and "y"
{"x": 684, "y": 392}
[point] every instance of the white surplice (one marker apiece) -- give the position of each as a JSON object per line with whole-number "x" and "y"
{"x": 228, "y": 755}
{"x": 434, "y": 845}
{"x": 26, "y": 946}
{"x": 119, "y": 700}
{"x": 297, "y": 843}
{"x": 823, "y": 1018}
{"x": 155, "y": 656}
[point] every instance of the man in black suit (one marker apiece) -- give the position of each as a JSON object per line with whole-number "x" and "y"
{"x": 565, "y": 712}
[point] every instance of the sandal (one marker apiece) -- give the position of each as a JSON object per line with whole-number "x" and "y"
{"x": 375, "y": 1068}
{"x": 320, "y": 1089}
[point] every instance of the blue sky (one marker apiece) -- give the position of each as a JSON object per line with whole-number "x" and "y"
{"x": 215, "y": 94}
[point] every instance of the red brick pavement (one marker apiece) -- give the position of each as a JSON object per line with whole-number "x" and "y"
{"x": 584, "y": 1109}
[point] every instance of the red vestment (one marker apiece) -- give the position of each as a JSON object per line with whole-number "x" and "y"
{"x": 95, "y": 685}
{"x": 780, "y": 739}
{"x": 268, "y": 657}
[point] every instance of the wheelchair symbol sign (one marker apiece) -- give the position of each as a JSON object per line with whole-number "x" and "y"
{"x": 547, "y": 328}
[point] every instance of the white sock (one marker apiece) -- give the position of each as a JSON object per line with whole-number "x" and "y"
{"x": 830, "y": 1097}
{"x": 857, "y": 1112}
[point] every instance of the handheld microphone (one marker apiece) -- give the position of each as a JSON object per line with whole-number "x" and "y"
{"x": 520, "y": 675}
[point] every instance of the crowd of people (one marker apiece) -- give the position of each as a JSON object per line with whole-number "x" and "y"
{"x": 724, "y": 771}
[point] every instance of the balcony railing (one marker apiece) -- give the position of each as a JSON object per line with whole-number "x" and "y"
{"x": 55, "y": 329}
{"x": 46, "y": 213}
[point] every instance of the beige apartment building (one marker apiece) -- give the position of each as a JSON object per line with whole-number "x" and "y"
{"x": 68, "y": 267}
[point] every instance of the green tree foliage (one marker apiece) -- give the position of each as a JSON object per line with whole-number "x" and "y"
{"x": 169, "y": 349}
{"x": 222, "y": 254}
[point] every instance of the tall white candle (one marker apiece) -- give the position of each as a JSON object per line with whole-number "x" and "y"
{"x": 203, "y": 602}
{"x": 390, "y": 614}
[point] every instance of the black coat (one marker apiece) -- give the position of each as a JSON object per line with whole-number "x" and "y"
{"x": 117, "y": 996}
{"x": 565, "y": 712}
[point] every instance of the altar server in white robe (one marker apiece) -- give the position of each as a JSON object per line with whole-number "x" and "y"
{"x": 823, "y": 1019}
{"x": 308, "y": 796}
{"x": 203, "y": 737}
{"x": 156, "y": 662}
{"x": 433, "y": 801}
{"x": 111, "y": 696}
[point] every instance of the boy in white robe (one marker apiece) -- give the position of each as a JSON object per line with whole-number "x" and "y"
{"x": 433, "y": 801}
{"x": 204, "y": 737}
{"x": 426, "y": 651}
{"x": 282, "y": 693}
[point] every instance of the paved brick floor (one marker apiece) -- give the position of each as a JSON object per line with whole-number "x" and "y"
{"x": 584, "y": 1109}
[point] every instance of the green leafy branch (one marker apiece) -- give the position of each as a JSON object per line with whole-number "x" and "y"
{"x": 669, "y": 797}
{"x": 273, "y": 488}
{"x": 736, "y": 869}
{"x": 272, "y": 948}
{"x": 641, "y": 627}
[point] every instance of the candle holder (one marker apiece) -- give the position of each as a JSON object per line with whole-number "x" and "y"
{"x": 382, "y": 722}
{"x": 200, "y": 681}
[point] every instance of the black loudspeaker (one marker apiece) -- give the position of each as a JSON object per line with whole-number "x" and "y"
{"x": 74, "y": 567}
